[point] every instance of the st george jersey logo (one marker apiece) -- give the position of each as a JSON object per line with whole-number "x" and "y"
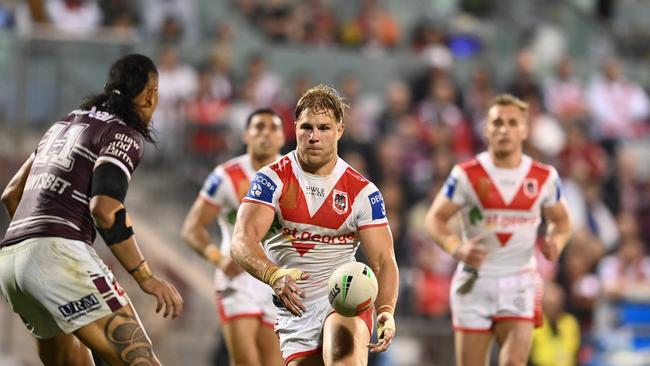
{"x": 530, "y": 187}
{"x": 340, "y": 202}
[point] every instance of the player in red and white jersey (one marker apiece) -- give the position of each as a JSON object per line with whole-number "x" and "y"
{"x": 245, "y": 304}
{"x": 319, "y": 210}
{"x": 501, "y": 196}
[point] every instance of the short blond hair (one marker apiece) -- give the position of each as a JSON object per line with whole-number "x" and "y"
{"x": 509, "y": 99}
{"x": 322, "y": 98}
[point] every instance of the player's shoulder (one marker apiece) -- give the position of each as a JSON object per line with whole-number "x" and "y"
{"x": 538, "y": 165}
{"x": 233, "y": 163}
{"x": 469, "y": 164}
{"x": 283, "y": 167}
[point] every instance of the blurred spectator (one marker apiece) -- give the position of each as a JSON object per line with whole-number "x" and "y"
{"x": 438, "y": 62}
{"x": 77, "y": 17}
{"x": 625, "y": 275}
{"x": 427, "y": 33}
{"x": 397, "y": 105}
{"x": 360, "y": 118}
{"x": 431, "y": 280}
{"x": 177, "y": 83}
{"x": 221, "y": 77}
{"x": 276, "y": 19}
{"x": 477, "y": 97}
{"x": 374, "y": 29}
{"x": 582, "y": 287}
{"x": 443, "y": 121}
{"x": 619, "y": 107}
{"x": 266, "y": 84}
{"x": 557, "y": 342}
{"x": 524, "y": 84}
{"x": 564, "y": 93}
{"x": 119, "y": 13}
{"x": 546, "y": 133}
{"x": 173, "y": 21}
{"x": 579, "y": 150}
{"x": 205, "y": 112}
{"x": 318, "y": 24}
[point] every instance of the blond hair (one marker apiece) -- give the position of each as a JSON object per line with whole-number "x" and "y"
{"x": 322, "y": 98}
{"x": 509, "y": 99}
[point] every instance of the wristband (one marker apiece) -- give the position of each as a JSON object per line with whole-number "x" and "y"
{"x": 212, "y": 253}
{"x": 142, "y": 272}
{"x": 385, "y": 309}
{"x": 451, "y": 244}
{"x": 272, "y": 273}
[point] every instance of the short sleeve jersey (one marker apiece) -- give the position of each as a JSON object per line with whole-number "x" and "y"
{"x": 224, "y": 188}
{"x": 317, "y": 218}
{"x": 506, "y": 204}
{"x": 56, "y": 196}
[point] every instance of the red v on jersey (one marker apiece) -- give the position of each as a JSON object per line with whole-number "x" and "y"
{"x": 490, "y": 197}
{"x": 293, "y": 203}
{"x": 240, "y": 181}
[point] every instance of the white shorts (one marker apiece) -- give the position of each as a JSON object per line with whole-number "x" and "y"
{"x": 493, "y": 299}
{"x": 57, "y": 284}
{"x": 303, "y": 336}
{"x": 246, "y": 297}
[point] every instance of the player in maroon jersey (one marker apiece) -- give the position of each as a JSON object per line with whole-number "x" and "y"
{"x": 75, "y": 183}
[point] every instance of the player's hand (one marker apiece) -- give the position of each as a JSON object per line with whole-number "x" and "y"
{"x": 550, "y": 249}
{"x": 166, "y": 295}
{"x": 385, "y": 332}
{"x": 286, "y": 288}
{"x": 472, "y": 252}
{"x": 229, "y": 267}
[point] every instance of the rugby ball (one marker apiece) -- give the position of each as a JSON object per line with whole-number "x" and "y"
{"x": 352, "y": 288}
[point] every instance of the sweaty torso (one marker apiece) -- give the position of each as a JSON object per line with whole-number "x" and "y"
{"x": 56, "y": 196}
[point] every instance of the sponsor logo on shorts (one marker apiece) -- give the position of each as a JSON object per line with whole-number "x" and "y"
{"x": 77, "y": 308}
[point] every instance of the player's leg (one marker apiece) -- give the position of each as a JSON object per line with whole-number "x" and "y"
{"x": 238, "y": 334}
{"x": 514, "y": 338}
{"x": 269, "y": 346}
{"x": 472, "y": 347}
{"x": 63, "y": 350}
{"x": 119, "y": 339}
{"x": 345, "y": 340}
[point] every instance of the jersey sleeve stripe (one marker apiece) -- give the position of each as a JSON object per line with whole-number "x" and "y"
{"x": 370, "y": 226}
{"x": 207, "y": 199}
{"x": 119, "y": 164}
{"x": 252, "y": 200}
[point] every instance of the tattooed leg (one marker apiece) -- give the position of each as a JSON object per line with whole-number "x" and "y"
{"x": 129, "y": 339}
{"x": 119, "y": 339}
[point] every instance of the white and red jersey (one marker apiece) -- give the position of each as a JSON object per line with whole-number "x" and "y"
{"x": 505, "y": 203}
{"x": 224, "y": 188}
{"x": 317, "y": 217}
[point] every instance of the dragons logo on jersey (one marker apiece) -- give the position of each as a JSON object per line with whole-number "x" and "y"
{"x": 530, "y": 187}
{"x": 340, "y": 202}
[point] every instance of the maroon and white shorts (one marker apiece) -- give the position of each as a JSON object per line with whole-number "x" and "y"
{"x": 56, "y": 284}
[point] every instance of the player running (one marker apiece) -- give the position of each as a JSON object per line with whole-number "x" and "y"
{"x": 501, "y": 195}
{"x": 244, "y": 303}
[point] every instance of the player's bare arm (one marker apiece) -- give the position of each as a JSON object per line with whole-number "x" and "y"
{"x": 558, "y": 230}
{"x": 107, "y": 212}
{"x": 253, "y": 222}
{"x": 436, "y": 222}
{"x": 377, "y": 244}
{"x": 196, "y": 234}
{"x": 14, "y": 191}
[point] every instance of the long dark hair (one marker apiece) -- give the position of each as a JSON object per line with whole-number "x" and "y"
{"x": 126, "y": 79}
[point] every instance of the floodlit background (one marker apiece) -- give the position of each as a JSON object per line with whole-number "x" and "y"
{"x": 418, "y": 75}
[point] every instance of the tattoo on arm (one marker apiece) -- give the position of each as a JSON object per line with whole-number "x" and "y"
{"x": 129, "y": 340}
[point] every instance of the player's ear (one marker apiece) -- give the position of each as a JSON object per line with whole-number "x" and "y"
{"x": 340, "y": 128}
